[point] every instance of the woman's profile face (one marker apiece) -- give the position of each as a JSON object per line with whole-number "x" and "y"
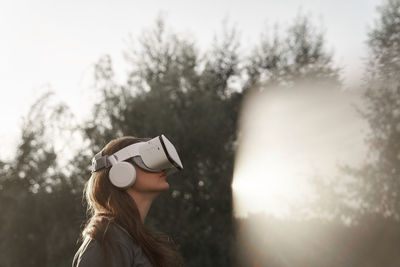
{"x": 150, "y": 181}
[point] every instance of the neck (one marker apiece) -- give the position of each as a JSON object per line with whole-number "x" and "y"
{"x": 143, "y": 202}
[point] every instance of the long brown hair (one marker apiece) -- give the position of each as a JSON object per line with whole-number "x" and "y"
{"x": 107, "y": 204}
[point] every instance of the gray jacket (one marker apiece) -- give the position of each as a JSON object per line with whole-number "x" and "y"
{"x": 127, "y": 253}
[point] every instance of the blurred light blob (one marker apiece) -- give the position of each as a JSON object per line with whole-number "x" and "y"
{"x": 265, "y": 184}
{"x": 287, "y": 135}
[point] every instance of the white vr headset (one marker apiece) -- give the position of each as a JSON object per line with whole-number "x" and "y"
{"x": 155, "y": 155}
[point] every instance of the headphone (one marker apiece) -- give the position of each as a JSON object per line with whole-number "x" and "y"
{"x": 122, "y": 174}
{"x": 155, "y": 155}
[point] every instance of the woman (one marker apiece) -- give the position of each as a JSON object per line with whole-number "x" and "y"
{"x": 115, "y": 234}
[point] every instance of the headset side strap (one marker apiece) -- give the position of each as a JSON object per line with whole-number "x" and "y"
{"x": 99, "y": 162}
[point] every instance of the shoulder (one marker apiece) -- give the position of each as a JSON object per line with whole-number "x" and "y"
{"x": 122, "y": 237}
{"x": 91, "y": 254}
{"x": 124, "y": 251}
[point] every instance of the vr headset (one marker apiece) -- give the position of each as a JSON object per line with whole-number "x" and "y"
{"x": 155, "y": 155}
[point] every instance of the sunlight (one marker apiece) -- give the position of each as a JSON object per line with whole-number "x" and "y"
{"x": 265, "y": 183}
{"x": 286, "y": 137}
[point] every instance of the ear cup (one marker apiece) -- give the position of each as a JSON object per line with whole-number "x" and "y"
{"x": 122, "y": 175}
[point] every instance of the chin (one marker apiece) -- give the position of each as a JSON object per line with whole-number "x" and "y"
{"x": 165, "y": 186}
{"x": 160, "y": 187}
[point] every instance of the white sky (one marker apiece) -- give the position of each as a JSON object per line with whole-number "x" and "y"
{"x": 53, "y": 44}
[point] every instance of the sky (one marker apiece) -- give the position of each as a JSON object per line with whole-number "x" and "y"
{"x": 54, "y": 44}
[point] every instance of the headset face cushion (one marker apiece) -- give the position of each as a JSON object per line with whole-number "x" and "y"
{"x": 139, "y": 162}
{"x": 122, "y": 175}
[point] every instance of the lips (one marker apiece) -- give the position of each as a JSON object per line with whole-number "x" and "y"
{"x": 163, "y": 175}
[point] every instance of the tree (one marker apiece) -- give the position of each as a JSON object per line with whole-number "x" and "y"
{"x": 377, "y": 182}
{"x": 296, "y": 55}
{"x": 36, "y": 195}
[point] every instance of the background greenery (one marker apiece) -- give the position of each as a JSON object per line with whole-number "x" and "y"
{"x": 194, "y": 98}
